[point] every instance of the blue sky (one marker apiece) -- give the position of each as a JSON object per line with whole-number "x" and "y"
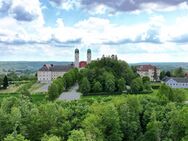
{"x": 137, "y": 31}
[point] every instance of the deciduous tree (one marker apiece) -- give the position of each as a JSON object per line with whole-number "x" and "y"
{"x": 85, "y": 86}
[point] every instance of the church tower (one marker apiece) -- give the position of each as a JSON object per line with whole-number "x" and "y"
{"x": 88, "y": 56}
{"x": 76, "y": 61}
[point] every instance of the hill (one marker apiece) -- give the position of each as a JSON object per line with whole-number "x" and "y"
{"x": 167, "y": 65}
{"x": 33, "y": 66}
{"x": 21, "y": 66}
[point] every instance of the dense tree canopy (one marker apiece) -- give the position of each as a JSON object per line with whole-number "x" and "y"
{"x": 5, "y": 82}
{"x": 179, "y": 72}
{"x": 137, "y": 85}
{"x": 109, "y": 75}
{"x": 168, "y": 94}
{"x": 114, "y": 118}
{"x": 85, "y": 86}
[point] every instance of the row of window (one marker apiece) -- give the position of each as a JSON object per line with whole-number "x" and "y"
{"x": 40, "y": 79}
{"x": 49, "y": 75}
{"x": 182, "y": 84}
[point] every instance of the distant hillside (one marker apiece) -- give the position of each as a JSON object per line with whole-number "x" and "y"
{"x": 167, "y": 66}
{"x": 21, "y": 65}
{"x": 34, "y": 66}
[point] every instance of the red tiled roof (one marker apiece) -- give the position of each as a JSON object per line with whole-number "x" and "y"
{"x": 145, "y": 67}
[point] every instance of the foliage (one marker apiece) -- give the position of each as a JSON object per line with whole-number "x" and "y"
{"x": 179, "y": 72}
{"x": 53, "y": 91}
{"x": 168, "y": 74}
{"x": 112, "y": 74}
{"x": 137, "y": 85}
{"x": 50, "y": 138}
{"x": 126, "y": 117}
{"x": 121, "y": 85}
{"x": 174, "y": 95}
{"x": 13, "y": 76}
{"x": 155, "y": 76}
{"x": 103, "y": 123}
{"x": 109, "y": 82}
{"x": 26, "y": 86}
{"x": 162, "y": 75}
{"x": 12, "y": 137}
{"x": 145, "y": 79}
{"x": 5, "y": 82}
{"x": 129, "y": 117}
{"x": 154, "y": 129}
{"x": 25, "y": 92}
{"x": 85, "y": 86}
{"x": 77, "y": 135}
{"x": 97, "y": 87}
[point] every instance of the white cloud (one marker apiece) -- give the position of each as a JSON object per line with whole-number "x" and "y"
{"x": 35, "y": 53}
{"x": 66, "y": 4}
{"x": 137, "y": 42}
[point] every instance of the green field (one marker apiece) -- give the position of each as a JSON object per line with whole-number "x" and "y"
{"x": 36, "y": 88}
{"x": 15, "y": 89}
{"x": 38, "y": 95}
{"x": 112, "y": 96}
{"x": 12, "y": 88}
{"x": 35, "y": 97}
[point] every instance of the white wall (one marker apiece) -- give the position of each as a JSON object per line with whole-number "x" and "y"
{"x": 174, "y": 84}
{"x": 48, "y": 76}
{"x": 149, "y": 73}
{"x": 44, "y": 76}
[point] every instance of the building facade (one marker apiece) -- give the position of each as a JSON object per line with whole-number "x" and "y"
{"x": 150, "y": 71}
{"x": 49, "y": 72}
{"x": 176, "y": 82}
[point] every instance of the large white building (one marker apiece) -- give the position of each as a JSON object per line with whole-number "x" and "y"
{"x": 149, "y": 71}
{"x": 49, "y": 72}
{"x": 176, "y": 82}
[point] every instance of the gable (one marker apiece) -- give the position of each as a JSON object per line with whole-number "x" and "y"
{"x": 171, "y": 81}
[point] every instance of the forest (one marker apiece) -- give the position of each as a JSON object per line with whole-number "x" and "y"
{"x": 144, "y": 117}
{"x": 109, "y": 75}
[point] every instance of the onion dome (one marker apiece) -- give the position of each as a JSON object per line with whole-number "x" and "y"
{"x": 89, "y": 51}
{"x": 76, "y": 50}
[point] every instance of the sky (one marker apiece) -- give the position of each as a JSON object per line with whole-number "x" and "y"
{"x": 135, "y": 30}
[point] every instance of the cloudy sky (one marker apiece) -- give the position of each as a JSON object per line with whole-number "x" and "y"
{"x": 135, "y": 30}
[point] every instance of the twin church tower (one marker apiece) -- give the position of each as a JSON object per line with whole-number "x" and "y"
{"x": 77, "y": 63}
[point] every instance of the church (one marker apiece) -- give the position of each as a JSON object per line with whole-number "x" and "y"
{"x": 49, "y": 72}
